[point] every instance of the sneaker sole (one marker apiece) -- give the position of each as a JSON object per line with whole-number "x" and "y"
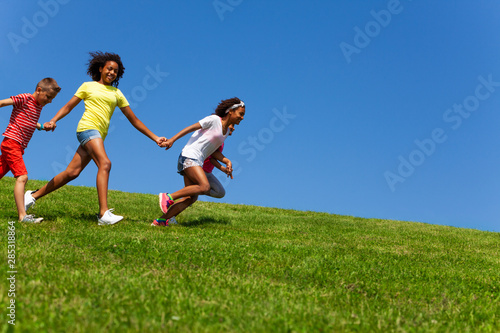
{"x": 160, "y": 202}
{"x": 158, "y": 225}
{"x": 108, "y": 223}
{"x": 34, "y": 222}
{"x": 28, "y": 206}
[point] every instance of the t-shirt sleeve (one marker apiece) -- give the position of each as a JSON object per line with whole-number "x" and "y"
{"x": 82, "y": 92}
{"x": 208, "y": 121}
{"x": 121, "y": 100}
{"x": 19, "y": 100}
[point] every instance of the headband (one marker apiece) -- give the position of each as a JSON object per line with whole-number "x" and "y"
{"x": 235, "y": 106}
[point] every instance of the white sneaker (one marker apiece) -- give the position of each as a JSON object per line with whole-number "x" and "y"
{"x": 109, "y": 218}
{"x": 29, "y": 201}
{"x": 31, "y": 219}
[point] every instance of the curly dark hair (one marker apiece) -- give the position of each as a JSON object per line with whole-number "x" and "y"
{"x": 226, "y": 104}
{"x": 98, "y": 59}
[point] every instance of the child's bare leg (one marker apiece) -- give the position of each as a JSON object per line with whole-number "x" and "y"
{"x": 179, "y": 207}
{"x": 95, "y": 148}
{"x": 19, "y": 195}
{"x": 73, "y": 170}
{"x": 196, "y": 183}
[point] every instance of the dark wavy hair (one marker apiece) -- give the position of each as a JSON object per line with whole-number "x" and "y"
{"x": 226, "y": 104}
{"x": 98, "y": 59}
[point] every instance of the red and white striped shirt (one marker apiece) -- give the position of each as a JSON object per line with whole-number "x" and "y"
{"x": 23, "y": 119}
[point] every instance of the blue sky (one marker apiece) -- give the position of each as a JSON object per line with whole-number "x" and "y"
{"x": 377, "y": 109}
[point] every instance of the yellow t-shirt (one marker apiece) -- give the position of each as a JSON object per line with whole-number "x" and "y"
{"x": 100, "y": 103}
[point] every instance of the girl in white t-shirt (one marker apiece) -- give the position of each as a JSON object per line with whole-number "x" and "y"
{"x": 209, "y": 134}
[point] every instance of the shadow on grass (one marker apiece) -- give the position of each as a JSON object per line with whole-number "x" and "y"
{"x": 82, "y": 217}
{"x": 203, "y": 220}
{"x": 88, "y": 217}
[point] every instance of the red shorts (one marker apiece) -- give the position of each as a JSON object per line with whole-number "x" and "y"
{"x": 12, "y": 158}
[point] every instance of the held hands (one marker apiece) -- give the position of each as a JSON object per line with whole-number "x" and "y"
{"x": 167, "y": 143}
{"x": 160, "y": 140}
{"x": 49, "y": 126}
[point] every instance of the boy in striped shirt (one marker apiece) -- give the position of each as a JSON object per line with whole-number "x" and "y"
{"x": 23, "y": 122}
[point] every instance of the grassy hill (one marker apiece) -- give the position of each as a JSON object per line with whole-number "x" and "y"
{"x": 236, "y": 268}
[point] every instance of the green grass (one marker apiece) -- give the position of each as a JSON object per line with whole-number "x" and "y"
{"x": 236, "y": 268}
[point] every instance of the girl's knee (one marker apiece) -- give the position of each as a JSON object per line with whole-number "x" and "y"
{"x": 105, "y": 165}
{"x": 220, "y": 193}
{"x": 205, "y": 189}
{"x": 72, "y": 174}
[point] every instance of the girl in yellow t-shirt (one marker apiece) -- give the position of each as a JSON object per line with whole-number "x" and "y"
{"x": 101, "y": 96}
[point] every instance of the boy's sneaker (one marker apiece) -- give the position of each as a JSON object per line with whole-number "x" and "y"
{"x": 165, "y": 202}
{"x": 29, "y": 201}
{"x": 160, "y": 223}
{"x": 172, "y": 220}
{"x": 108, "y": 218}
{"x": 31, "y": 219}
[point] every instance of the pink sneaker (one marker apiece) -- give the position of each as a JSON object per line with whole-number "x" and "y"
{"x": 165, "y": 202}
{"x": 160, "y": 223}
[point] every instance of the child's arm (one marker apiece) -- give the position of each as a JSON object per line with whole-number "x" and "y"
{"x": 169, "y": 142}
{"x": 216, "y": 163}
{"x": 139, "y": 125}
{"x": 229, "y": 166}
{"x": 6, "y": 102}
{"x": 222, "y": 168}
{"x": 63, "y": 112}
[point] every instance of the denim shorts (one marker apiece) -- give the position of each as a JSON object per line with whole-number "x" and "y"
{"x": 186, "y": 162}
{"x": 86, "y": 136}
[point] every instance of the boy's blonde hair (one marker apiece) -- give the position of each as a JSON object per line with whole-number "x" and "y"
{"x": 49, "y": 84}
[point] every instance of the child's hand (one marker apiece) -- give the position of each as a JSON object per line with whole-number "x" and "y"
{"x": 50, "y": 126}
{"x": 160, "y": 140}
{"x": 47, "y": 126}
{"x": 228, "y": 169}
{"x": 167, "y": 143}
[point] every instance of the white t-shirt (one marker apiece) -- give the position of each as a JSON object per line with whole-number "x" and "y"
{"x": 206, "y": 140}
